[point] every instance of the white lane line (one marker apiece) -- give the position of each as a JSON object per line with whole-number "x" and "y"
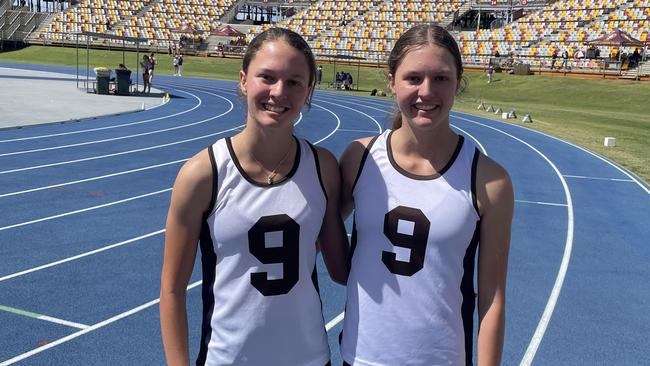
{"x": 332, "y": 323}
{"x": 88, "y": 330}
{"x": 84, "y": 210}
{"x": 599, "y": 178}
{"x": 121, "y": 152}
{"x": 638, "y": 182}
{"x": 112, "y": 126}
{"x": 543, "y": 203}
{"x": 362, "y": 131}
{"x": 46, "y": 318}
{"x": 478, "y": 143}
{"x": 92, "y": 178}
{"x": 356, "y": 110}
{"x": 82, "y": 255}
{"x": 566, "y": 257}
{"x": 21, "y": 152}
{"x": 338, "y": 124}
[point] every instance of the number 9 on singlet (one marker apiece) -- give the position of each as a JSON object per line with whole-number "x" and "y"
{"x": 287, "y": 254}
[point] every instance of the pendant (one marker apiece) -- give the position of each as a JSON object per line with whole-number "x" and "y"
{"x": 269, "y": 180}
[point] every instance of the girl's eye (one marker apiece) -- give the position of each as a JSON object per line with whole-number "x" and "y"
{"x": 441, "y": 78}
{"x": 266, "y": 77}
{"x": 414, "y": 79}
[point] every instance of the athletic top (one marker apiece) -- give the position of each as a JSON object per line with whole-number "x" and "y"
{"x": 261, "y": 304}
{"x": 410, "y": 293}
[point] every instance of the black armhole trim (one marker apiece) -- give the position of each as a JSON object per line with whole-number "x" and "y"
{"x": 477, "y": 154}
{"x": 215, "y": 183}
{"x": 363, "y": 160}
{"x": 320, "y": 177}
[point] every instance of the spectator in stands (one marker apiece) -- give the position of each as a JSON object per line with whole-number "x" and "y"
{"x": 578, "y": 57}
{"x": 635, "y": 58}
{"x": 146, "y": 68}
{"x": 565, "y": 59}
{"x": 553, "y": 59}
{"x": 497, "y": 54}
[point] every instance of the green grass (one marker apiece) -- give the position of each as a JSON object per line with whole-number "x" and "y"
{"x": 580, "y": 110}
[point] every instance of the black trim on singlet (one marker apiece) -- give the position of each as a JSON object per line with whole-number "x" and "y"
{"x": 320, "y": 177}
{"x": 469, "y": 296}
{"x": 474, "y": 169}
{"x": 366, "y": 151}
{"x": 442, "y": 171}
{"x": 208, "y": 266}
{"x": 296, "y": 163}
{"x": 314, "y": 280}
{"x": 215, "y": 184}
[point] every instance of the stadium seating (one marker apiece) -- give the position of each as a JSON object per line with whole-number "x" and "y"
{"x": 368, "y": 28}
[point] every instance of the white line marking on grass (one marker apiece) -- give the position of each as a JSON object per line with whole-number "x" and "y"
{"x": 566, "y": 257}
{"x": 543, "y": 203}
{"x": 21, "y": 152}
{"x": 86, "y": 254}
{"x": 332, "y": 323}
{"x": 109, "y": 127}
{"x": 84, "y": 210}
{"x": 93, "y": 178}
{"x": 598, "y": 178}
{"x": 88, "y": 330}
{"x": 46, "y": 318}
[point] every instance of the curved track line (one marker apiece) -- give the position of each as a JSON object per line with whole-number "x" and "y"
{"x": 109, "y": 127}
{"x": 88, "y": 330}
{"x": 93, "y": 178}
{"x": 352, "y": 109}
{"x": 84, "y": 209}
{"x": 566, "y": 257}
{"x": 616, "y": 166}
{"x": 122, "y": 137}
{"x": 79, "y": 256}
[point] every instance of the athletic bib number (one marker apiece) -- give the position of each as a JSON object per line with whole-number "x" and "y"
{"x": 287, "y": 254}
{"x": 417, "y": 225}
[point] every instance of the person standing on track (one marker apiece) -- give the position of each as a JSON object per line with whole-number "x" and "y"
{"x": 257, "y": 202}
{"x": 425, "y": 200}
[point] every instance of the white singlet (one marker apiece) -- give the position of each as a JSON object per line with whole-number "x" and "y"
{"x": 410, "y": 294}
{"x": 260, "y": 296}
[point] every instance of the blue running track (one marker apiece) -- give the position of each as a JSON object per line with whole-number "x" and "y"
{"x": 83, "y": 212}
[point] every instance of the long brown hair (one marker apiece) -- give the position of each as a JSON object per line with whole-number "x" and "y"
{"x": 418, "y": 36}
{"x": 294, "y": 40}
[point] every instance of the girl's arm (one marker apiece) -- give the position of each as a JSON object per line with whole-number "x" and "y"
{"x": 332, "y": 239}
{"x": 349, "y": 165}
{"x": 496, "y": 203}
{"x": 190, "y": 198}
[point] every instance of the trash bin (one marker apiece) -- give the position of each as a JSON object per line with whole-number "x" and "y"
{"x": 103, "y": 80}
{"x": 123, "y": 78}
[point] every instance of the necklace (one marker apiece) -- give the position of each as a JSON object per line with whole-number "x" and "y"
{"x": 270, "y": 178}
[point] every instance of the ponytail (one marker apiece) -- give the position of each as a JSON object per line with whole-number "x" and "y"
{"x": 397, "y": 121}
